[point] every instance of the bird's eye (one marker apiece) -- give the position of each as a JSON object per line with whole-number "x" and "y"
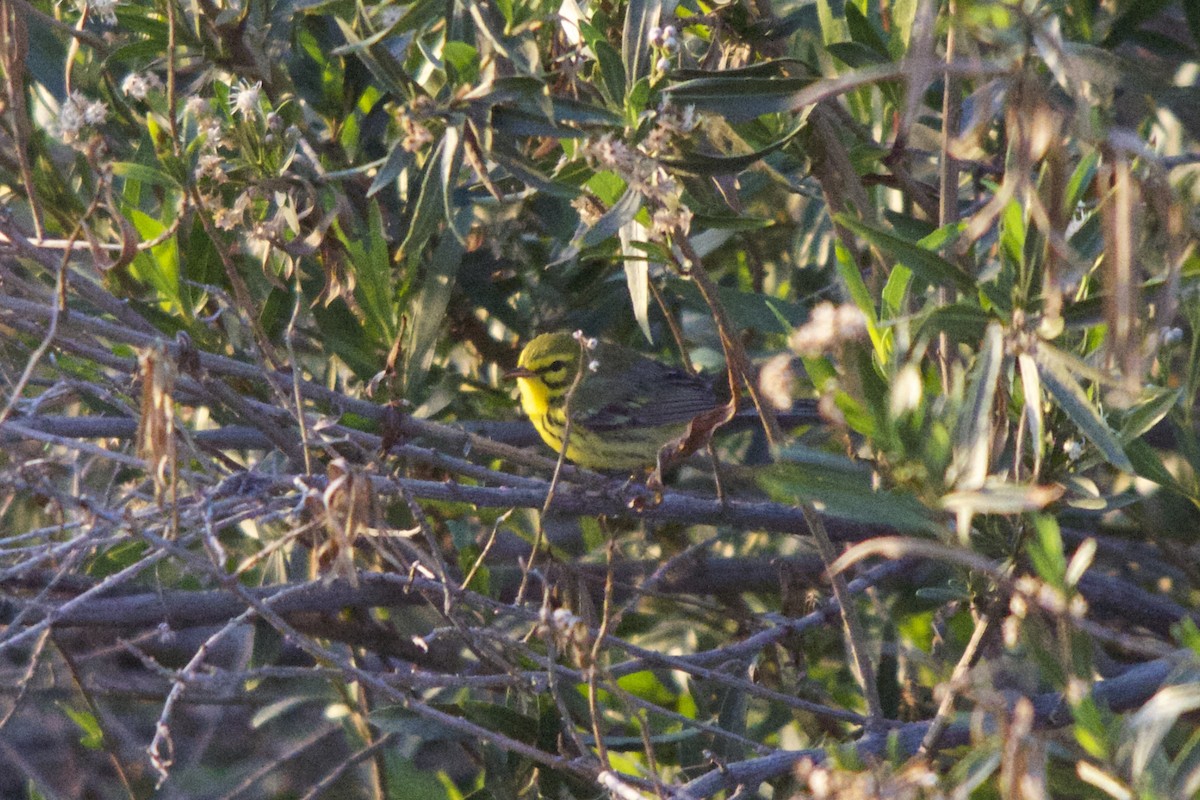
{"x": 557, "y": 365}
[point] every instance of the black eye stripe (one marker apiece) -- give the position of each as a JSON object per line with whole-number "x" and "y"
{"x": 554, "y": 366}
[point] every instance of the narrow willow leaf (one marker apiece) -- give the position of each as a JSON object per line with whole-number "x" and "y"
{"x": 1148, "y": 464}
{"x": 1084, "y": 555}
{"x": 776, "y": 68}
{"x": 1146, "y": 415}
{"x": 636, "y": 744}
{"x": 1046, "y": 551}
{"x": 428, "y": 210}
{"x": 973, "y": 435}
{"x": 399, "y": 720}
{"x": 612, "y": 221}
{"x": 374, "y": 287}
{"x": 704, "y": 164}
{"x": 143, "y": 173}
{"x": 1146, "y": 729}
{"x": 610, "y": 224}
{"x": 1032, "y": 385}
{"x": 452, "y": 157}
{"x": 640, "y": 17}
{"x": 611, "y": 71}
{"x": 856, "y": 54}
{"x": 428, "y": 310}
{"x": 928, "y": 266}
{"x": 1002, "y": 497}
{"x": 158, "y": 266}
{"x": 398, "y": 160}
{"x": 856, "y": 287}
{"x": 523, "y": 170}
{"x": 962, "y": 322}
{"x": 841, "y": 488}
{"x": 862, "y": 31}
{"x": 637, "y": 274}
{"x": 739, "y": 100}
{"x": 1071, "y": 398}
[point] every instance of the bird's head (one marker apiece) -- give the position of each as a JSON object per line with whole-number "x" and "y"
{"x": 546, "y": 368}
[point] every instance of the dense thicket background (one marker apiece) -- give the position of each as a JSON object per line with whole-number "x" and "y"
{"x": 270, "y": 525}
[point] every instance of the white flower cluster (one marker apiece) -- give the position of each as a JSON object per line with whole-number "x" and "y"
{"x": 588, "y": 344}
{"x": 138, "y": 85}
{"x": 907, "y": 391}
{"x": 665, "y": 37}
{"x": 645, "y": 176}
{"x": 828, "y": 326}
{"x": 103, "y": 10}
{"x": 670, "y": 123}
{"x": 246, "y": 99}
{"x": 76, "y": 115}
{"x": 776, "y": 381}
{"x": 666, "y": 40}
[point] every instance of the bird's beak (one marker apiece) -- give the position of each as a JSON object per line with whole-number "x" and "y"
{"x": 519, "y": 372}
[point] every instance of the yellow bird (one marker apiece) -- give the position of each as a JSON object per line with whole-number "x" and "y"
{"x": 625, "y": 407}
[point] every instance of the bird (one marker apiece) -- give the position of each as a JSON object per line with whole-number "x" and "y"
{"x": 624, "y": 406}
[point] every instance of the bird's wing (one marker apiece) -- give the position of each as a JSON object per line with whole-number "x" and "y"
{"x": 643, "y": 393}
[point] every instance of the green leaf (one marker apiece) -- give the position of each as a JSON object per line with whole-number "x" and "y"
{"x": 637, "y": 275}
{"x": 1081, "y": 178}
{"x": 430, "y": 208}
{"x": 857, "y": 54}
{"x": 1148, "y": 464}
{"x": 961, "y": 322}
{"x": 857, "y": 288}
{"x": 611, "y": 222}
{"x": 862, "y": 31}
{"x": 1148, "y": 413}
{"x": 928, "y": 266}
{"x": 458, "y": 221}
{"x": 144, "y": 173}
{"x": 1092, "y": 726}
{"x": 397, "y": 161}
{"x": 703, "y": 164}
{"x": 841, "y": 488}
{"x": 463, "y": 59}
{"x": 1001, "y": 497}
{"x": 373, "y": 289}
{"x": 640, "y": 17}
{"x": 158, "y": 266}
{"x": 1070, "y": 397}
{"x": 1135, "y": 14}
{"x": 1046, "y": 551}
{"x": 739, "y": 99}
{"x": 1031, "y": 386}
{"x": 636, "y": 744}
{"x": 973, "y": 433}
{"x": 611, "y": 71}
{"x": 1079, "y": 563}
{"x": 428, "y": 312}
{"x": 93, "y": 735}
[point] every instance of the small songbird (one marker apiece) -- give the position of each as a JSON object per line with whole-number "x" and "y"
{"x": 625, "y": 407}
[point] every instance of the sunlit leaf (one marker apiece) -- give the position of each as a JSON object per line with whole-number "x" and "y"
{"x": 641, "y": 16}
{"x": 1071, "y": 398}
{"x": 927, "y": 265}
{"x": 973, "y": 433}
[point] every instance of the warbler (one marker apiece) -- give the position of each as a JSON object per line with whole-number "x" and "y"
{"x": 624, "y": 408}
